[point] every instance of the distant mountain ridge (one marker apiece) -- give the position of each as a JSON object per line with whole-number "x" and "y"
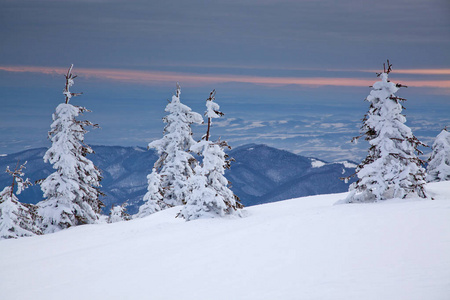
{"x": 260, "y": 174}
{"x": 263, "y": 174}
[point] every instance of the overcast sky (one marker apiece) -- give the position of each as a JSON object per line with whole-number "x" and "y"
{"x": 290, "y": 74}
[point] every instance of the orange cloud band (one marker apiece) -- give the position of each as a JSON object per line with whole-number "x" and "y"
{"x": 421, "y": 71}
{"x": 158, "y": 77}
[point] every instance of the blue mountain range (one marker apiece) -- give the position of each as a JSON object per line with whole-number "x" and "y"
{"x": 260, "y": 174}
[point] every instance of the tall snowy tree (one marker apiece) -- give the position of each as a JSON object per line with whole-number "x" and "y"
{"x": 17, "y": 219}
{"x": 391, "y": 168}
{"x": 72, "y": 191}
{"x": 210, "y": 195}
{"x": 175, "y": 163}
{"x": 438, "y": 168}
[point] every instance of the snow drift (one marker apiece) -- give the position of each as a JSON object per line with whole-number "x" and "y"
{"x": 305, "y": 248}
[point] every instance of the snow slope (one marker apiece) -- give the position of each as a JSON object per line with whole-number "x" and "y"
{"x": 305, "y": 248}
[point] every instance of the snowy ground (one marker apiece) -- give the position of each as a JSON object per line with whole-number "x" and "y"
{"x": 305, "y": 248}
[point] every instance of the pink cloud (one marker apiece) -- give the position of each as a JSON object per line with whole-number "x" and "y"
{"x": 161, "y": 77}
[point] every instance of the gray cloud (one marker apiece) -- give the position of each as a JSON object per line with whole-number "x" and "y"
{"x": 300, "y": 33}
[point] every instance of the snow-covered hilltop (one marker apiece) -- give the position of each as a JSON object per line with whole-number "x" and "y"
{"x": 306, "y": 248}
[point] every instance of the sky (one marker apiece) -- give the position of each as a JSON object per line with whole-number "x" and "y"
{"x": 292, "y": 74}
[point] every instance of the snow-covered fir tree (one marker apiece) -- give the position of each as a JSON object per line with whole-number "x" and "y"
{"x": 119, "y": 213}
{"x": 438, "y": 168}
{"x": 153, "y": 199}
{"x": 72, "y": 191}
{"x": 17, "y": 219}
{"x": 210, "y": 195}
{"x": 392, "y": 168}
{"x": 175, "y": 163}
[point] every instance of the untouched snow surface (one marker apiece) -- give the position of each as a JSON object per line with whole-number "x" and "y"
{"x": 306, "y": 248}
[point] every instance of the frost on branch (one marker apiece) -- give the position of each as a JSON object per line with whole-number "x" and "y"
{"x": 17, "y": 175}
{"x": 212, "y": 111}
{"x": 72, "y": 192}
{"x": 175, "y": 163}
{"x": 392, "y": 168}
{"x": 210, "y": 195}
{"x": 438, "y": 168}
{"x": 17, "y": 219}
{"x": 69, "y": 82}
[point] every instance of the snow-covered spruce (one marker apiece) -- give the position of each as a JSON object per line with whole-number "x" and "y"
{"x": 438, "y": 168}
{"x": 17, "y": 219}
{"x": 210, "y": 195}
{"x": 392, "y": 168}
{"x": 72, "y": 191}
{"x": 119, "y": 213}
{"x": 175, "y": 163}
{"x": 153, "y": 199}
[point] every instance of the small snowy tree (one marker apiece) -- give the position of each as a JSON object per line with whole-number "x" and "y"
{"x": 72, "y": 191}
{"x": 175, "y": 164}
{"x": 153, "y": 199}
{"x": 392, "y": 168}
{"x": 210, "y": 195}
{"x": 439, "y": 162}
{"x": 119, "y": 213}
{"x": 17, "y": 219}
